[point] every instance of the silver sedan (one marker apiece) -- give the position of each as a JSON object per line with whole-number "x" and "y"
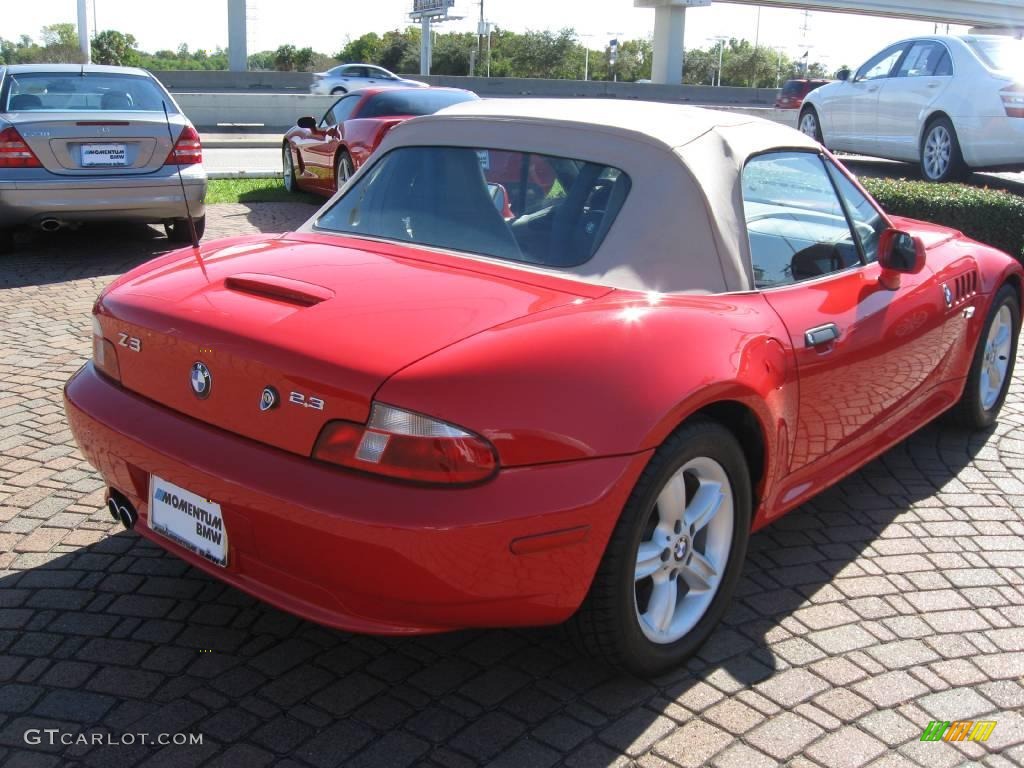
{"x": 352, "y": 77}
{"x": 93, "y": 143}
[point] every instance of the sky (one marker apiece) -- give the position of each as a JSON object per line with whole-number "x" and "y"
{"x": 832, "y": 38}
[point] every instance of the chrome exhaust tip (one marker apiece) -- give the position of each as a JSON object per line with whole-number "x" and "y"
{"x": 121, "y": 509}
{"x": 50, "y": 225}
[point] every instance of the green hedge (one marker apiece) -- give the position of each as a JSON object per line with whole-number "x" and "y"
{"x": 990, "y": 216}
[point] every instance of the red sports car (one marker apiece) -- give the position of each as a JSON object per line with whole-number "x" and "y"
{"x": 321, "y": 156}
{"x": 417, "y": 414}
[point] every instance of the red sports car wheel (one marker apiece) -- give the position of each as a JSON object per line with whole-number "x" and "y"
{"x": 288, "y": 168}
{"x": 343, "y": 169}
{"x": 992, "y": 367}
{"x": 675, "y": 556}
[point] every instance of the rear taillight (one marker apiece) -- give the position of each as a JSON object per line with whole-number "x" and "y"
{"x": 1013, "y": 100}
{"x": 408, "y": 446}
{"x": 104, "y": 354}
{"x": 187, "y": 150}
{"x": 14, "y": 152}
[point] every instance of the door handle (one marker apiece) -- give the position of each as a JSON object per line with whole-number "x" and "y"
{"x": 872, "y": 89}
{"x": 933, "y": 85}
{"x": 822, "y": 334}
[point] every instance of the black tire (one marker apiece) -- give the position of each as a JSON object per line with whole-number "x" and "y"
{"x": 178, "y": 230}
{"x": 343, "y": 169}
{"x": 338, "y": 91}
{"x": 939, "y": 154}
{"x": 808, "y": 115}
{"x": 971, "y": 411}
{"x": 6, "y": 240}
{"x": 607, "y": 625}
{"x": 288, "y": 169}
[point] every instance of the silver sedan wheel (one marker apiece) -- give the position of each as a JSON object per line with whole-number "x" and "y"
{"x": 996, "y": 357}
{"x": 809, "y": 125}
{"x": 938, "y": 152}
{"x": 288, "y": 168}
{"x": 685, "y": 550}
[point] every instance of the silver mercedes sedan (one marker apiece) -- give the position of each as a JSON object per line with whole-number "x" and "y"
{"x": 94, "y": 143}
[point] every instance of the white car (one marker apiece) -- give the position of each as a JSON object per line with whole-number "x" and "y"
{"x": 951, "y": 103}
{"x": 351, "y": 77}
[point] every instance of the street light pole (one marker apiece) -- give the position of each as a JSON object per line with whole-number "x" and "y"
{"x": 721, "y": 44}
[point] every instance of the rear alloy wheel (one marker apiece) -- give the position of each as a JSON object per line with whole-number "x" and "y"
{"x": 343, "y": 169}
{"x": 288, "y": 169}
{"x": 992, "y": 368}
{"x": 941, "y": 159}
{"x": 178, "y": 230}
{"x": 675, "y": 556}
{"x": 810, "y": 125}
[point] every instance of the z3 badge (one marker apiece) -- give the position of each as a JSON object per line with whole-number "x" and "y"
{"x": 131, "y": 342}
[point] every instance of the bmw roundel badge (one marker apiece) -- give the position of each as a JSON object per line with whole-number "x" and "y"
{"x": 268, "y": 399}
{"x": 201, "y": 380}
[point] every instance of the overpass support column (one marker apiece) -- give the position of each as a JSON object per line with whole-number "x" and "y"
{"x": 238, "y": 55}
{"x": 669, "y": 25}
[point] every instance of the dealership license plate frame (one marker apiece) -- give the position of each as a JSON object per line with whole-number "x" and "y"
{"x": 176, "y": 524}
{"x": 92, "y": 154}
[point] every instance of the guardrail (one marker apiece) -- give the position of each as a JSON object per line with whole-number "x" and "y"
{"x": 212, "y": 81}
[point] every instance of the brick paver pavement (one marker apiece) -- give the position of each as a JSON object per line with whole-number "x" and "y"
{"x": 894, "y": 599}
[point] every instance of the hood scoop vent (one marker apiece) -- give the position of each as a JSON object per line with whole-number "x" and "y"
{"x": 284, "y": 289}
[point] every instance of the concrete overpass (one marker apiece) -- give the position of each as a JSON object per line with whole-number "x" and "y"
{"x": 982, "y": 15}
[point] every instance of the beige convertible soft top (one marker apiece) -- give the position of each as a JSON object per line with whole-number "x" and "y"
{"x": 682, "y": 226}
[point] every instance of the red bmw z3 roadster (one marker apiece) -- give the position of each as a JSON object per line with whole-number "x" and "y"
{"x": 462, "y": 397}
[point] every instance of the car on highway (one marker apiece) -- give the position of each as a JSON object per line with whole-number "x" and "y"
{"x": 793, "y": 92}
{"x": 95, "y": 143}
{"x": 416, "y": 415}
{"x": 321, "y": 155}
{"x": 351, "y": 77}
{"x": 953, "y": 104}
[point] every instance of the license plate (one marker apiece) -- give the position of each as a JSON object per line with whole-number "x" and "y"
{"x": 104, "y": 154}
{"x": 188, "y": 519}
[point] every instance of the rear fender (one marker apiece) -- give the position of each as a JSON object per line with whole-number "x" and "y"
{"x": 611, "y": 376}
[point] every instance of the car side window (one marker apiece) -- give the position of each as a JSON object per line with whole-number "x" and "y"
{"x": 796, "y": 224}
{"x": 380, "y": 74}
{"x": 944, "y": 66}
{"x": 881, "y": 65}
{"x": 868, "y": 223}
{"x": 340, "y": 112}
{"x": 922, "y": 60}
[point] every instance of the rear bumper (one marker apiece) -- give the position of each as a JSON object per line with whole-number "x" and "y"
{"x": 148, "y": 198}
{"x": 353, "y": 551}
{"x": 992, "y": 142}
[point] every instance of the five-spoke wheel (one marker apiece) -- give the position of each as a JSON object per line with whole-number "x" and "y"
{"x": 680, "y": 562}
{"x": 675, "y": 555}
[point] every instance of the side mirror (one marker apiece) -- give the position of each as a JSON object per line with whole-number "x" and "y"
{"x": 843, "y": 74}
{"x": 306, "y": 122}
{"x": 899, "y": 253}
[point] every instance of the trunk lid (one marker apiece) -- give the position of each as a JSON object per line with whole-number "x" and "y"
{"x": 98, "y": 144}
{"x": 322, "y": 321}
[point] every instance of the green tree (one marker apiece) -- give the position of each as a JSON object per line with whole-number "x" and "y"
{"x": 365, "y": 49}
{"x": 261, "y": 60}
{"x": 304, "y": 58}
{"x": 113, "y": 47}
{"x": 60, "y": 34}
{"x": 284, "y": 58}
{"x": 400, "y": 51}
